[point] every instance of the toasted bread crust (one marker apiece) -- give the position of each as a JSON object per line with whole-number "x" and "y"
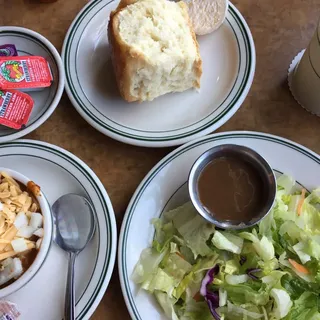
{"x": 197, "y": 66}
{"x": 126, "y": 60}
{"x": 120, "y": 54}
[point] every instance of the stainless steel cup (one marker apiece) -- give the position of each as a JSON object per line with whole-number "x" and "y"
{"x": 245, "y": 154}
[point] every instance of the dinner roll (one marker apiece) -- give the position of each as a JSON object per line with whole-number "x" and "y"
{"x": 207, "y": 15}
{"x": 154, "y": 49}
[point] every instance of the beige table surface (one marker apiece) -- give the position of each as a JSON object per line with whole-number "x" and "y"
{"x": 280, "y": 28}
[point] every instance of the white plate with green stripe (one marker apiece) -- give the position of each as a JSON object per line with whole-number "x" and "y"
{"x": 165, "y": 188}
{"x": 30, "y": 43}
{"x": 59, "y": 172}
{"x": 229, "y": 61}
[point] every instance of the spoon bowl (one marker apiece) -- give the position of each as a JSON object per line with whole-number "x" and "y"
{"x": 73, "y": 230}
{"x": 74, "y": 227}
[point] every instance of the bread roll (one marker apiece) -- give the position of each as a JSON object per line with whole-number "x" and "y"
{"x": 207, "y": 15}
{"x": 154, "y": 49}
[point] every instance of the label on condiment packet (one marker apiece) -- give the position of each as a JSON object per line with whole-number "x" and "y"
{"x": 29, "y": 72}
{"x": 15, "y": 109}
{"x": 8, "y": 311}
{"x": 8, "y": 50}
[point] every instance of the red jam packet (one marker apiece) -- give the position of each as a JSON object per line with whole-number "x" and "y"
{"x": 15, "y": 108}
{"x": 29, "y": 72}
{"x": 8, "y": 50}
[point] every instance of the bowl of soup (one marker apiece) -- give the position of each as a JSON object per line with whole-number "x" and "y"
{"x": 25, "y": 230}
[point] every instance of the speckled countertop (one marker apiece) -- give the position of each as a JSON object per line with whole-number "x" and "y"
{"x": 280, "y": 28}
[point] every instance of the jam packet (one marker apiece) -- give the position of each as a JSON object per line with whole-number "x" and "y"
{"x": 25, "y": 72}
{"x": 8, "y": 50}
{"x": 15, "y": 109}
{"x": 8, "y": 311}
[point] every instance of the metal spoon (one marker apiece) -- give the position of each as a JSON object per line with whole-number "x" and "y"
{"x": 74, "y": 227}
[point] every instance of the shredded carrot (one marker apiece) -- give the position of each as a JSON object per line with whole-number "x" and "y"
{"x": 197, "y": 296}
{"x": 303, "y": 195}
{"x": 180, "y": 255}
{"x": 299, "y": 267}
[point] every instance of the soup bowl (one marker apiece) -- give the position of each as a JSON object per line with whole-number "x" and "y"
{"x": 43, "y": 251}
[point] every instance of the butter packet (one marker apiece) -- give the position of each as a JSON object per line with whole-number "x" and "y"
{"x": 8, "y": 310}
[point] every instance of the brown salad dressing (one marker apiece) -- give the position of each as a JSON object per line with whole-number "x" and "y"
{"x": 231, "y": 189}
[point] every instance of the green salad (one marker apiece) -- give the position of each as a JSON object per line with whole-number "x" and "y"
{"x": 270, "y": 271}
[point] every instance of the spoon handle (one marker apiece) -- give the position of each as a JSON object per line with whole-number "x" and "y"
{"x": 69, "y": 308}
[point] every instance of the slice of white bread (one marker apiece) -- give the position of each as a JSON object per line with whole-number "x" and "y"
{"x": 207, "y": 15}
{"x": 154, "y": 49}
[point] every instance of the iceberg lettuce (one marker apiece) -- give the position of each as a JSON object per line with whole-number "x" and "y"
{"x": 268, "y": 272}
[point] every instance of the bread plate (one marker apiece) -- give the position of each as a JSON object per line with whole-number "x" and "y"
{"x": 228, "y": 56}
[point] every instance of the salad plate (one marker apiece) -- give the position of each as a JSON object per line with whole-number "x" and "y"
{"x": 165, "y": 188}
{"x": 228, "y": 56}
{"x": 59, "y": 172}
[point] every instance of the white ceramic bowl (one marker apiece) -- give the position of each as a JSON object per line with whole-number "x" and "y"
{"x": 32, "y": 43}
{"x": 46, "y": 241}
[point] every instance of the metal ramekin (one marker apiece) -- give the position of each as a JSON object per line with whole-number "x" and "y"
{"x": 247, "y": 155}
